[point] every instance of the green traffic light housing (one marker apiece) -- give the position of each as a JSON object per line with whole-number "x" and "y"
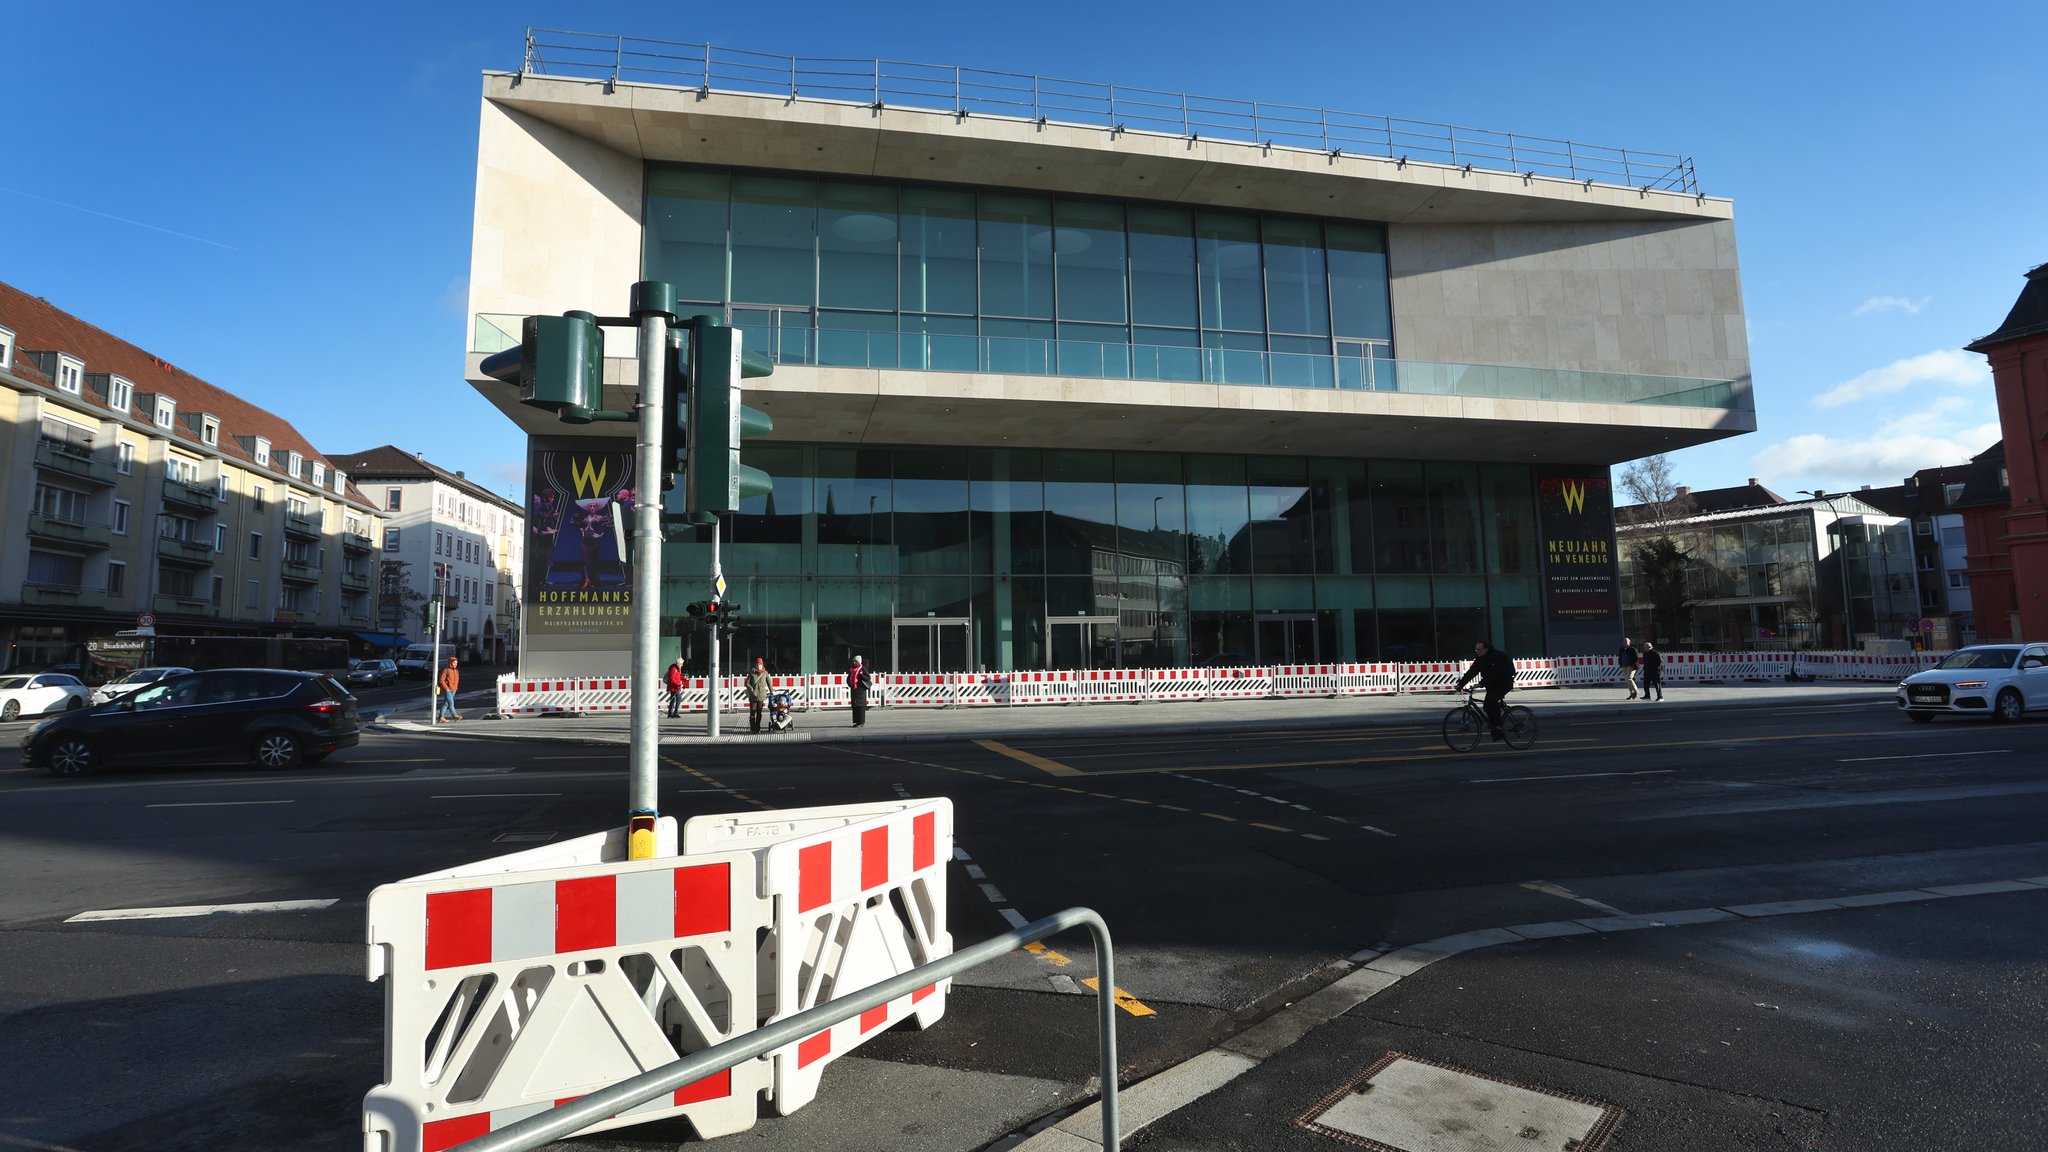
{"x": 714, "y": 479}
{"x": 558, "y": 366}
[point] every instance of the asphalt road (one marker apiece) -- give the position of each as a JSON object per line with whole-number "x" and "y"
{"x": 1237, "y": 872}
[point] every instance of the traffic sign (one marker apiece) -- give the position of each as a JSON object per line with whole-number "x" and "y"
{"x": 146, "y": 620}
{"x": 1927, "y": 626}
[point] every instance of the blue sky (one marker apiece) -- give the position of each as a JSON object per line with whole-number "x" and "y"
{"x": 277, "y": 197}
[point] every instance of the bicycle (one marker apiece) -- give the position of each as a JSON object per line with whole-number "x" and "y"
{"x": 1464, "y": 724}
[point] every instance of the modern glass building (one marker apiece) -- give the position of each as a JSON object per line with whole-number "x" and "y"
{"x": 1064, "y": 390}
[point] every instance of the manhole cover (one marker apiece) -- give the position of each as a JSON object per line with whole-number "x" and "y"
{"x": 1405, "y": 1104}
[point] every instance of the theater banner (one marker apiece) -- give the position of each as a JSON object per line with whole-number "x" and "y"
{"x": 1580, "y": 581}
{"x": 577, "y": 580}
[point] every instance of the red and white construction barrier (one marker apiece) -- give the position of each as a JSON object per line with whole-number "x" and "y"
{"x": 524, "y": 981}
{"x": 518, "y": 697}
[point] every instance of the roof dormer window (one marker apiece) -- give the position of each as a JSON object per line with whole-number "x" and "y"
{"x": 70, "y": 374}
{"x": 292, "y": 464}
{"x": 209, "y": 429}
{"x": 340, "y": 483}
{"x": 319, "y": 474}
{"x": 6, "y": 349}
{"x": 120, "y": 393}
{"x": 166, "y": 411}
{"x": 263, "y": 451}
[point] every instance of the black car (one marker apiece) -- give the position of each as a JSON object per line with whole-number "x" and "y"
{"x": 273, "y": 717}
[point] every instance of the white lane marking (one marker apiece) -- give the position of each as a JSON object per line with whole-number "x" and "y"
{"x": 218, "y": 803}
{"x": 974, "y": 872}
{"x": 417, "y": 760}
{"x": 172, "y": 913}
{"x": 1570, "y": 776}
{"x": 457, "y": 772}
{"x": 488, "y": 795}
{"x": 994, "y": 894}
{"x": 1550, "y": 889}
{"x": 1015, "y": 918}
{"x": 1926, "y": 756}
{"x": 1274, "y": 800}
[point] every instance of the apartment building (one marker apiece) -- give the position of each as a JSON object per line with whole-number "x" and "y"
{"x": 1929, "y": 498}
{"x": 130, "y": 488}
{"x": 442, "y": 525}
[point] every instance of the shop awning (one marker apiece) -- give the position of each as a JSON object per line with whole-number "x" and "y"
{"x": 383, "y": 639}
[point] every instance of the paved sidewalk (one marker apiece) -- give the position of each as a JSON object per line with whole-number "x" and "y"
{"x": 1025, "y": 722}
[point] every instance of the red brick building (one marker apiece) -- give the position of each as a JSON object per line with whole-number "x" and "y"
{"x": 2018, "y": 352}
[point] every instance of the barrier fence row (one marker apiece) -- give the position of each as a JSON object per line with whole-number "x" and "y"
{"x": 519, "y": 697}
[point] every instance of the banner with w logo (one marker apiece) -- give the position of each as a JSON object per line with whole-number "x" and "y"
{"x": 1580, "y": 584}
{"x": 576, "y": 579}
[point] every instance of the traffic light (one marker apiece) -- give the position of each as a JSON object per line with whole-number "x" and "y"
{"x": 675, "y": 389}
{"x": 714, "y": 478}
{"x": 559, "y": 365}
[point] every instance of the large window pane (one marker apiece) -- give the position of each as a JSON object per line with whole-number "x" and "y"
{"x": 937, "y": 227}
{"x": 685, "y": 236}
{"x": 1407, "y": 626}
{"x": 1219, "y": 516}
{"x": 1454, "y": 518}
{"x": 1080, "y": 507}
{"x": 1166, "y": 354}
{"x": 857, "y": 339}
{"x": 856, "y": 245}
{"x": 1023, "y": 346}
{"x": 1220, "y": 620}
{"x": 1163, "y": 283}
{"x": 774, "y": 239}
{"x": 1283, "y": 517}
{"x": 1102, "y": 351}
{"x": 1227, "y": 249}
{"x": 1301, "y": 362}
{"x": 1297, "y": 288}
{"x": 1016, "y": 256}
{"x": 1400, "y": 518}
{"x": 941, "y": 343}
{"x": 1510, "y": 518}
{"x": 1088, "y": 249}
{"x": 852, "y": 498}
{"x": 1234, "y": 357}
{"x": 1358, "y": 281}
{"x": 931, "y": 497}
{"x": 1460, "y": 616}
{"x": 1009, "y": 509}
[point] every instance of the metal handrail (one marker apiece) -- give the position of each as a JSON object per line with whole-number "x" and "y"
{"x": 1114, "y": 108}
{"x": 555, "y": 1123}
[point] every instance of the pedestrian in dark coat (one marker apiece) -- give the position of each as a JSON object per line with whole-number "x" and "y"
{"x": 757, "y": 694}
{"x": 1627, "y": 659}
{"x": 1495, "y": 673}
{"x": 858, "y": 681}
{"x": 1653, "y": 671}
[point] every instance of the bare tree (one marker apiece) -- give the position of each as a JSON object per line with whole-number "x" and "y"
{"x": 1651, "y": 485}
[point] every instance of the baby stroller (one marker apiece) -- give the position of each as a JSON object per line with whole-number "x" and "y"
{"x": 779, "y": 715}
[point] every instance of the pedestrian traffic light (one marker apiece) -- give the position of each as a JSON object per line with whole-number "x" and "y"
{"x": 714, "y": 479}
{"x": 728, "y": 611}
{"x": 675, "y": 388}
{"x": 559, "y": 365}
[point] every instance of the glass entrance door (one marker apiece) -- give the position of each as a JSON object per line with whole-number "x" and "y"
{"x": 932, "y": 644}
{"x": 1082, "y": 643}
{"x": 1288, "y": 639}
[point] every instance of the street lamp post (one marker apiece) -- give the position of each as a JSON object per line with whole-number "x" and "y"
{"x": 1848, "y": 609}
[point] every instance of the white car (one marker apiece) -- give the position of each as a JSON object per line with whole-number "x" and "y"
{"x": 42, "y": 692}
{"x": 132, "y": 681}
{"x": 2003, "y": 681}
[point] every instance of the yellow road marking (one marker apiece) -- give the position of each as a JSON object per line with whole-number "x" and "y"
{"x": 1124, "y": 1000}
{"x": 1050, "y": 767}
{"x": 1048, "y": 955}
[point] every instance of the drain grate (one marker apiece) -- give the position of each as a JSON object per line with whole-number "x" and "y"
{"x": 1406, "y": 1104}
{"x": 517, "y": 837}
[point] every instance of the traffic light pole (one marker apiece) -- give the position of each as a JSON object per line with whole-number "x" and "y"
{"x": 714, "y": 700}
{"x": 653, "y": 310}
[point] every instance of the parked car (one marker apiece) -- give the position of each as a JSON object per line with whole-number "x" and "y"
{"x": 40, "y": 693}
{"x": 372, "y": 673}
{"x": 276, "y": 718}
{"x": 133, "y": 681}
{"x": 2003, "y": 681}
{"x": 415, "y": 662}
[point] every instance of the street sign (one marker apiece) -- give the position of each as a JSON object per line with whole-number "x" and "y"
{"x": 718, "y": 586}
{"x": 145, "y": 624}
{"x": 1927, "y": 626}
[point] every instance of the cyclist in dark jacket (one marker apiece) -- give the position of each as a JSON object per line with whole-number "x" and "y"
{"x": 1496, "y": 674}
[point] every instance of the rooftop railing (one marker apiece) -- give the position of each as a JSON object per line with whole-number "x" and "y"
{"x": 1115, "y": 108}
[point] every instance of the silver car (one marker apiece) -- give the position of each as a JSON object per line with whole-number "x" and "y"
{"x": 133, "y": 681}
{"x": 2002, "y": 681}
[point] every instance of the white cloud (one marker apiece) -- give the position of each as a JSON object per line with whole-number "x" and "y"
{"x": 507, "y": 476}
{"x": 1892, "y": 303}
{"x": 1895, "y": 452}
{"x": 1949, "y": 367}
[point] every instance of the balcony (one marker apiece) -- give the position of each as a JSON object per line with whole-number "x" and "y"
{"x": 190, "y": 494}
{"x": 355, "y": 581}
{"x": 356, "y": 620}
{"x": 69, "y": 535}
{"x": 304, "y": 527}
{"x": 182, "y": 604}
{"x": 73, "y": 456}
{"x": 64, "y": 596}
{"x": 300, "y": 571}
{"x": 191, "y": 553}
{"x": 355, "y": 541}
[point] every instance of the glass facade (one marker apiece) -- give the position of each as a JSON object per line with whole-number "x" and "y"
{"x": 821, "y": 270}
{"x": 992, "y": 559}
